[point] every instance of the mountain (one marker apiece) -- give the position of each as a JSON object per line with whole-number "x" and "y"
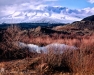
{"x": 46, "y": 14}
{"x": 89, "y": 18}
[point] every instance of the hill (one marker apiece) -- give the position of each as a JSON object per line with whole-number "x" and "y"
{"x": 89, "y": 18}
{"x": 78, "y": 27}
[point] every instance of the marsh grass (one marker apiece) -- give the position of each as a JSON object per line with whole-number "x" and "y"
{"x": 70, "y": 62}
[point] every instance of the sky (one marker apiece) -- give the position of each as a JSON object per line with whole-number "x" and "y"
{"x": 76, "y": 4}
{"x": 29, "y": 10}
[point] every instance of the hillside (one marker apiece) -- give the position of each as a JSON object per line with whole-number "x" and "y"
{"x": 79, "y": 27}
{"x": 89, "y": 18}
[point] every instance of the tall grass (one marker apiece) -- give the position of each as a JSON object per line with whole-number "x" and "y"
{"x": 74, "y": 61}
{"x": 70, "y": 61}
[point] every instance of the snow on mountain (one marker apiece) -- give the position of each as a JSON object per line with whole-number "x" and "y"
{"x": 47, "y": 14}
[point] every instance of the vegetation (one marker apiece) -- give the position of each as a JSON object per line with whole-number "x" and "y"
{"x": 9, "y": 44}
{"x": 70, "y": 62}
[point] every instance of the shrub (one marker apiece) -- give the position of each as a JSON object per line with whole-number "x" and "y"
{"x": 9, "y": 46}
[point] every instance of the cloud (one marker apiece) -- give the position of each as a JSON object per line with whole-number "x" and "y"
{"x": 13, "y": 9}
{"x": 91, "y": 1}
{"x": 29, "y": 10}
{"x": 8, "y": 7}
{"x": 31, "y": 13}
{"x": 13, "y": 2}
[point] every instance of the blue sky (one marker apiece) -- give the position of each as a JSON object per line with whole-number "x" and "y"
{"x": 75, "y": 4}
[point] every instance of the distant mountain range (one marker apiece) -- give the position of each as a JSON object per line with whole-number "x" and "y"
{"x": 47, "y": 14}
{"x": 30, "y": 25}
{"x": 87, "y": 22}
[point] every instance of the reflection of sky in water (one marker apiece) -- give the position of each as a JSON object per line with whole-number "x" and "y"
{"x": 55, "y": 47}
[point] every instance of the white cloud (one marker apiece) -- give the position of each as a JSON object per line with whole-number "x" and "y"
{"x": 25, "y": 10}
{"x": 33, "y": 2}
{"x": 28, "y": 13}
{"x": 91, "y": 1}
{"x": 8, "y": 7}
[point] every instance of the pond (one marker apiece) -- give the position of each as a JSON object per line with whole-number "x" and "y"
{"x": 55, "y": 47}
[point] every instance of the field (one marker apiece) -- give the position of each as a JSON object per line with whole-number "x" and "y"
{"x": 19, "y": 61}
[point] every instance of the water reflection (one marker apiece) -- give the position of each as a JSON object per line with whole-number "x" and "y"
{"x": 56, "y": 47}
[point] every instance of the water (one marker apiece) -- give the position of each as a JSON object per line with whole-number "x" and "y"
{"x": 55, "y": 47}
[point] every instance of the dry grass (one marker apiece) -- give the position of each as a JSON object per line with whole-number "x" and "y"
{"x": 79, "y": 61}
{"x": 69, "y": 41}
{"x": 71, "y": 62}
